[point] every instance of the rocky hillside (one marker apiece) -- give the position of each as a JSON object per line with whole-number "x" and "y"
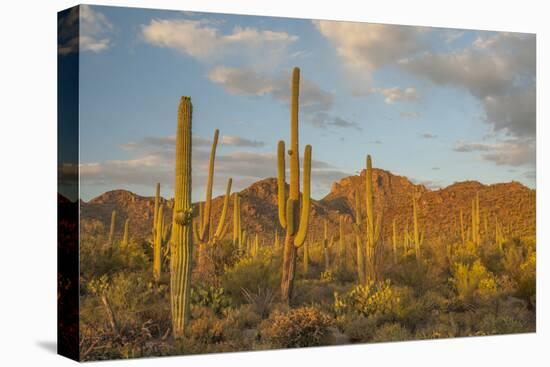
{"x": 512, "y": 203}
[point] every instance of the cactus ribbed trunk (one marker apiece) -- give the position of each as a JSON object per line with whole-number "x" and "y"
{"x": 291, "y": 217}
{"x": 372, "y": 230}
{"x": 157, "y": 245}
{"x": 182, "y": 243}
{"x": 394, "y": 241}
{"x": 125, "y": 236}
{"x": 112, "y": 228}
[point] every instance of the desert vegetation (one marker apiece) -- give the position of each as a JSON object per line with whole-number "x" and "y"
{"x": 356, "y": 267}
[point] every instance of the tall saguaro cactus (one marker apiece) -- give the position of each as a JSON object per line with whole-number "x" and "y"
{"x": 156, "y": 210}
{"x": 326, "y": 246}
{"x": 182, "y": 243}
{"x": 476, "y": 236}
{"x": 291, "y": 218}
{"x": 112, "y": 228}
{"x": 157, "y": 244}
{"x": 370, "y": 231}
{"x": 418, "y": 236}
{"x": 203, "y": 228}
{"x": 126, "y": 234}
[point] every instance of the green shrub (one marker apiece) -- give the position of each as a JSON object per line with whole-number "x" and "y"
{"x": 210, "y": 297}
{"x": 473, "y": 281}
{"x": 358, "y": 328}
{"x": 300, "y": 327}
{"x": 249, "y": 274}
{"x": 391, "y": 332}
{"x": 373, "y": 299}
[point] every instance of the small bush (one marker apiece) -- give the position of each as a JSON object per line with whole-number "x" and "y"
{"x": 301, "y": 327}
{"x": 211, "y": 297}
{"x": 373, "y": 299}
{"x": 358, "y": 328}
{"x": 391, "y": 332}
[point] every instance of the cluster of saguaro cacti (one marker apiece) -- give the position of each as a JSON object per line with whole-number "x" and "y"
{"x": 291, "y": 217}
{"x": 372, "y": 227}
{"x": 418, "y": 235}
{"x": 203, "y": 229}
{"x": 182, "y": 242}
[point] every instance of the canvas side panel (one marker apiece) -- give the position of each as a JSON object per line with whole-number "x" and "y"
{"x": 67, "y": 184}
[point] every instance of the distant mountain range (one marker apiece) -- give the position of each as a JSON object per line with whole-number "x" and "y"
{"x": 438, "y": 210}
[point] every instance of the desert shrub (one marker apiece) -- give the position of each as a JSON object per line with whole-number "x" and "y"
{"x": 372, "y": 299}
{"x": 493, "y": 325}
{"x": 466, "y": 253}
{"x": 391, "y": 332}
{"x": 261, "y": 300}
{"x": 300, "y": 327}
{"x": 211, "y": 297}
{"x": 473, "y": 281}
{"x": 248, "y": 274}
{"x": 327, "y": 276}
{"x": 527, "y": 279}
{"x": 358, "y": 328}
{"x": 243, "y": 317}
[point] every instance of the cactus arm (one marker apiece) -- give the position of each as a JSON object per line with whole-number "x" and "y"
{"x": 304, "y": 215}
{"x": 281, "y": 195}
{"x": 156, "y": 209}
{"x": 209, "y": 184}
{"x": 294, "y": 191}
{"x": 221, "y": 223}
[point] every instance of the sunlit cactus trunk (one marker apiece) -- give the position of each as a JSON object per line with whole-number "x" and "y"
{"x": 204, "y": 230}
{"x": 394, "y": 241}
{"x": 157, "y": 245}
{"x": 156, "y": 211}
{"x": 476, "y": 237}
{"x": 325, "y": 246}
{"x": 291, "y": 217}
{"x": 182, "y": 243}
{"x": 125, "y": 236}
{"x": 462, "y": 232}
{"x": 111, "y": 239}
{"x": 417, "y": 235}
{"x": 372, "y": 226}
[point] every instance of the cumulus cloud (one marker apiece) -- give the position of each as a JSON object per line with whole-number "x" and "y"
{"x": 160, "y": 143}
{"x": 428, "y": 136}
{"x": 315, "y": 102}
{"x": 203, "y": 39}
{"x": 151, "y": 165}
{"x": 396, "y": 94}
{"x": 498, "y": 69}
{"x": 365, "y": 47}
{"x": 84, "y": 29}
{"x": 510, "y": 152}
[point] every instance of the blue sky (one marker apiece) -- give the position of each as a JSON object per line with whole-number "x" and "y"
{"x": 435, "y": 105}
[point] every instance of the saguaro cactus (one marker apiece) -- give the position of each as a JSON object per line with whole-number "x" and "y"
{"x": 372, "y": 225}
{"x": 112, "y": 228}
{"x": 325, "y": 246}
{"x": 156, "y": 211}
{"x": 476, "y": 237}
{"x": 394, "y": 240}
{"x": 182, "y": 243}
{"x": 418, "y": 237}
{"x": 291, "y": 218}
{"x": 359, "y": 246}
{"x": 203, "y": 229}
{"x": 125, "y": 235}
{"x": 157, "y": 244}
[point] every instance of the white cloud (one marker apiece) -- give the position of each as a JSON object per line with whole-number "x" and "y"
{"x": 161, "y": 143}
{"x": 365, "y": 47}
{"x": 499, "y": 70}
{"x": 396, "y": 94}
{"x": 510, "y": 152}
{"x": 315, "y": 102}
{"x": 84, "y": 29}
{"x": 155, "y": 163}
{"x": 203, "y": 39}
{"x": 241, "y": 142}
